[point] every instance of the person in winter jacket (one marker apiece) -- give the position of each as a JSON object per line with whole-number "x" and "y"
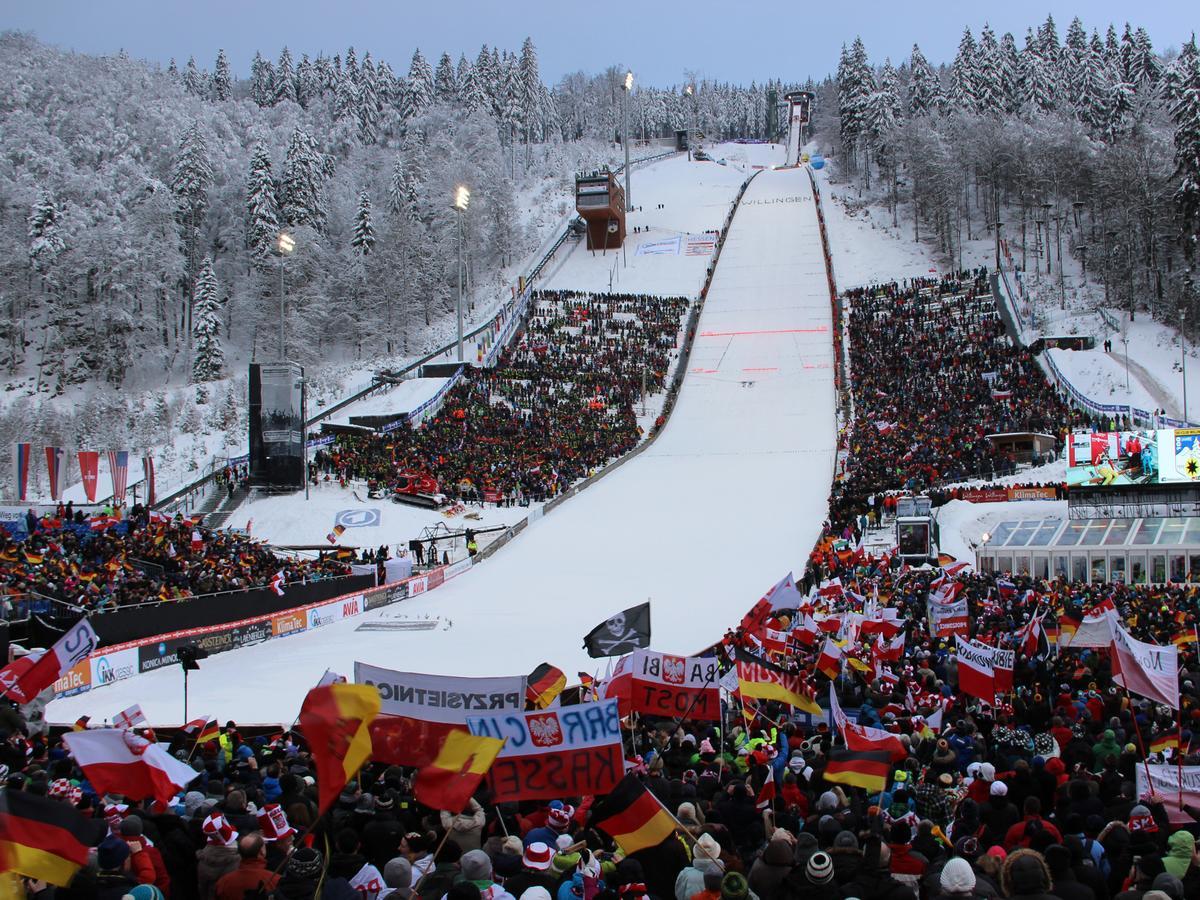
{"x": 302, "y": 876}
{"x": 1181, "y": 856}
{"x": 957, "y": 880}
{"x": 252, "y": 875}
{"x": 706, "y": 855}
{"x": 1065, "y": 885}
{"x": 1026, "y": 876}
{"x": 477, "y": 869}
{"x": 218, "y": 857}
{"x": 466, "y": 828}
{"x": 146, "y": 859}
{"x": 113, "y": 880}
{"x": 771, "y": 867}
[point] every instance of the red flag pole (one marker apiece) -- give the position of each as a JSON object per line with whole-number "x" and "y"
{"x": 1179, "y": 756}
{"x": 1138, "y": 732}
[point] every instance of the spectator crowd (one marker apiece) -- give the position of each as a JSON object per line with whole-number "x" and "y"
{"x": 560, "y": 403}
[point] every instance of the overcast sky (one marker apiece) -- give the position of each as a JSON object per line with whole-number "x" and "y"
{"x": 729, "y": 41}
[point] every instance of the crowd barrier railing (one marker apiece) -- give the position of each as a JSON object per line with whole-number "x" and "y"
{"x": 131, "y": 658}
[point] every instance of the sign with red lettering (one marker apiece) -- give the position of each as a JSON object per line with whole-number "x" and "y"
{"x": 552, "y": 753}
{"x": 676, "y": 686}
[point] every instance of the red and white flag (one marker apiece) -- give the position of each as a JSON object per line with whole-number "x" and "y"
{"x": 197, "y": 541}
{"x": 1002, "y": 669}
{"x": 71, "y": 649}
{"x": 806, "y": 632}
{"x": 888, "y": 651}
{"x": 864, "y": 737}
{"x": 830, "y": 660}
{"x": 130, "y": 717}
{"x": 121, "y": 762}
{"x": 1149, "y": 670}
{"x": 785, "y": 594}
{"x": 831, "y": 588}
{"x": 276, "y": 583}
{"x": 976, "y": 670}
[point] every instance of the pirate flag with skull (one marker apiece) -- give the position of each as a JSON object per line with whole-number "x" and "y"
{"x": 620, "y": 634}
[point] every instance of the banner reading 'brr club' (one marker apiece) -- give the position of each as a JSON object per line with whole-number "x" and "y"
{"x": 418, "y": 710}
{"x": 676, "y": 686}
{"x": 551, "y": 753}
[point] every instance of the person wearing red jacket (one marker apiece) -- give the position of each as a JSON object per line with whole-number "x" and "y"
{"x": 145, "y": 859}
{"x": 1021, "y": 834}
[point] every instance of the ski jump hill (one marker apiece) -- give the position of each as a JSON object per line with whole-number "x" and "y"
{"x": 730, "y": 496}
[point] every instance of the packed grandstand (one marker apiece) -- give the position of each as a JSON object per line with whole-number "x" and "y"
{"x": 886, "y": 728}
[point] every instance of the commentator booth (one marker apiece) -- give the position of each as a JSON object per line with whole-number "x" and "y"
{"x": 600, "y": 201}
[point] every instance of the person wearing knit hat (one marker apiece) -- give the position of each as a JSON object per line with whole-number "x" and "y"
{"x": 302, "y": 874}
{"x": 476, "y": 868}
{"x": 818, "y": 871}
{"x": 534, "y": 871}
{"x": 558, "y": 821}
{"x": 958, "y": 878}
{"x": 734, "y": 887}
{"x": 397, "y": 875}
{"x": 218, "y": 857}
{"x": 706, "y": 857}
{"x": 537, "y": 892}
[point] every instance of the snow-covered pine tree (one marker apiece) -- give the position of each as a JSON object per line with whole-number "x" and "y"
{"x": 1176, "y": 74}
{"x": 368, "y": 102}
{"x": 420, "y": 86}
{"x": 364, "y": 232}
{"x": 173, "y": 70}
{"x": 350, "y": 69}
{"x": 485, "y": 79}
{"x": 222, "y": 84}
{"x": 924, "y": 87}
{"x": 262, "y": 81}
{"x": 208, "y": 360}
{"x": 193, "y": 80}
{"x": 302, "y": 191}
{"x": 45, "y": 238}
{"x": 1128, "y": 71}
{"x": 262, "y": 220}
{"x": 1074, "y": 58}
{"x": 964, "y": 80}
{"x": 1095, "y": 92}
{"x": 445, "y": 81}
{"x": 191, "y": 177}
{"x": 307, "y": 85}
{"x": 988, "y": 88}
{"x": 1011, "y": 88}
{"x": 1145, "y": 61}
{"x": 285, "y": 78}
{"x": 855, "y": 84}
{"x": 1035, "y": 74}
{"x": 530, "y": 83}
{"x": 1185, "y": 113}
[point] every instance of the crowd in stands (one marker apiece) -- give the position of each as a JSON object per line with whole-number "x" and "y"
{"x": 933, "y": 373}
{"x": 116, "y": 559}
{"x": 1032, "y": 796}
{"x": 560, "y": 403}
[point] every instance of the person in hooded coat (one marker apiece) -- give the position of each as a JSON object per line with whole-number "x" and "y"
{"x": 771, "y": 867}
{"x": 1066, "y": 885}
{"x": 1026, "y": 877}
{"x": 874, "y": 880}
{"x": 706, "y": 853}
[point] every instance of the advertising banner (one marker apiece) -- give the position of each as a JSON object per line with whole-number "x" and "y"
{"x": 565, "y": 752}
{"x": 417, "y": 710}
{"x": 109, "y": 666}
{"x": 155, "y": 656}
{"x": 291, "y": 622}
{"x": 75, "y": 680}
{"x": 949, "y": 619}
{"x": 1179, "y": 455}
{"x": 675, "y": 686}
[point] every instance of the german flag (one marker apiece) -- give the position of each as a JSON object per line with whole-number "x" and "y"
{"x": 335, "y": 720}
{"x": 587, "y": 684}
{"x": 544, "y": 684}
{"x": 210, "y": 731}
{"x": 632, "y": 817}
{"x": 343, "y": 553}
{"x": 81, "y": 723}
{"x": 34, "y": 559}
{"x": 1164, "y": 743}
{"x": 1067, "y": 626}
{"x": 867, "y": 769}
{"x": 1184, "y": 637}
{"x": 44, "y": 838}
{"x": 449, "y": 781}
{"x": 1050, "y": 629}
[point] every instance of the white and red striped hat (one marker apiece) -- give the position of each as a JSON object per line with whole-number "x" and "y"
{"x": 62, "y": 789}
{"x": 537, "y": 856}
{"x": 218, "y": 830}
{"x": 273, "y": 823}
{"x": 114, "y": 813}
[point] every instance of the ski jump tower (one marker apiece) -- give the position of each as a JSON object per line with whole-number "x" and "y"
{"x": 799, "y": 110}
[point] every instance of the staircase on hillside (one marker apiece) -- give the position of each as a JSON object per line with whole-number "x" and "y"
{"x": 224, "y": 503}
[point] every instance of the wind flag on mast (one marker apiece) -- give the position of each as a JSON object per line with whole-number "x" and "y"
{"x": 56, "y": 461}
{"x": 148, "y": 474}
{"x": 22, "y": 459}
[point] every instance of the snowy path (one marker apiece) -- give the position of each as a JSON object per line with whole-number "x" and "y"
{"x": 729, "y": 498}
{"x": 1163, "y": 399}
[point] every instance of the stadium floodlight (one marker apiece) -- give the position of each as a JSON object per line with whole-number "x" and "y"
{"x": 629, "y": 81}
{"x": 284, "y": 245}
{"x": 462, "y": 199}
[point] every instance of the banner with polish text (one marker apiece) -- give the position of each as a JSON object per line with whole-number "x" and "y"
{"x": 676, "y": 686}
{"x": 552, "y": 753}
{"x": 417, "y": 710}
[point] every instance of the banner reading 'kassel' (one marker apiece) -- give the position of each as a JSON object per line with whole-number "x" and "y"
{"x": 418, "y": 710}
{"x": 676, "y": 686}
{"x": 567, "y": 751}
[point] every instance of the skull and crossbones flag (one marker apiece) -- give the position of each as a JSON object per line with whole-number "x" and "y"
{"x": 621, "y": 633}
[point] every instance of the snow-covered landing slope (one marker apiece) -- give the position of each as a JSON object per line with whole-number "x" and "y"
{"x": 730, "y": 497}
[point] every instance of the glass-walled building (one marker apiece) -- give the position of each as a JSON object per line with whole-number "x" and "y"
{"x": 1135, "y": 551}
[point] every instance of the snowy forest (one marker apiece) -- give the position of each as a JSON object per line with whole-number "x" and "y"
{"x": 1097, "y": 135}
{"x": 142, "y": 208}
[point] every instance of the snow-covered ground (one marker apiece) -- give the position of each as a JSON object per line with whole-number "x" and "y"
{"x": 729, "y": 498}
{"x": 401, "y": 399}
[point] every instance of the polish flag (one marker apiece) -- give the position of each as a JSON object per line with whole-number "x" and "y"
{"x": 1149, "y": 670}
{"x": 830, "y": 660}
{"x": 806, "y": 632}
{"x": 619, "y": 686}
{"x": 976, "y": 670}
{"x": 121, "y": 762}
{"x": 864, "y": 737}
{"x": 785, "y": 594}
{"x": 888, "y": 651}
{"x": 276, "y": 583}
{"x": 23, "y": 683}
{"x": 832, "y": 588}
